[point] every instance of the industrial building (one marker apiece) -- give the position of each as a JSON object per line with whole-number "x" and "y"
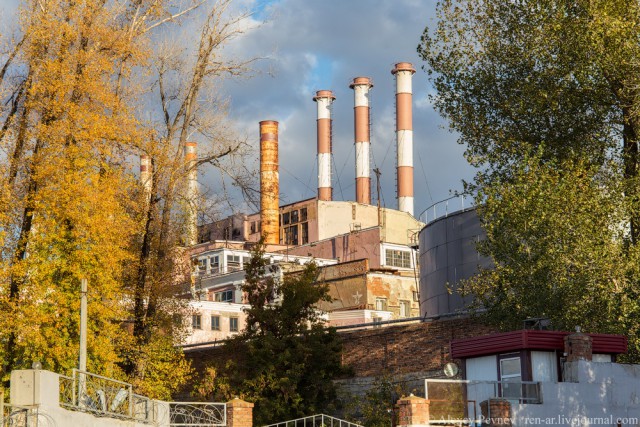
{"x": 369, "y": 252}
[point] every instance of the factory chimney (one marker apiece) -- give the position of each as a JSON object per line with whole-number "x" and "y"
{"x": 324, "y": 99}
{"x": 190, "y": 157}
{"x": 146, "y": 174}
{"x": 361, "y": 86}
{"x": 404, "y": 135}
{"x": 269, "y": 182}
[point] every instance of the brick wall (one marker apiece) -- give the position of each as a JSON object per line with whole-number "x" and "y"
{"x": 394, "y": 350}
{"x": 404, "y": 349}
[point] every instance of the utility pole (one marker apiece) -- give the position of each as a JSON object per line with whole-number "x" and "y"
{"x": 378, "y": 173}
{"x": 82, "y": 362}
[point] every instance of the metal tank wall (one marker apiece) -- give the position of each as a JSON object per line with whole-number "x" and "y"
{"x": 448, "y": 255}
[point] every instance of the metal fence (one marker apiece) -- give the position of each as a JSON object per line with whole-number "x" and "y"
{"x": 197, "y": 414}
{"x": 106, "y": 397}
{"x": 319, "y": 420}
{"x": 443, "y": 208}
{"x": 458, "y": 401}
{"x": 15, "y": 416}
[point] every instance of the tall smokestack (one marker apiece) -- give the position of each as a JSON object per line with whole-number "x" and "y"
{"x": 190, "y": 157}
{"x": 404, "y": 135}
{"x": 361, "y": 86}
{"x": 146, "y": 174}
{"x": 324, "y": 99}
{"x": 269, "y": 182}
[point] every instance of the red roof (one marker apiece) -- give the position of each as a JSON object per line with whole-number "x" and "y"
{"x": 530, "y": 340}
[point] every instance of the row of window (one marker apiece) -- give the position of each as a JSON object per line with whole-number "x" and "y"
{"x": 196, "y": 323}
{"x": 398, "y": 258}
{"x": 223, "y": 296}
{"x": 293, "y": 217}
{"x": 234, "y": 262}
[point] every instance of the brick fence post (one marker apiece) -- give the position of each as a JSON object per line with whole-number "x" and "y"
{"x": 496, "y": 412}
{"x": 413, "y": 411}
{"x": 239, "y": 413}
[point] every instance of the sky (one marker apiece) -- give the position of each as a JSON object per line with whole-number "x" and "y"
{"x": 316, "y": 45}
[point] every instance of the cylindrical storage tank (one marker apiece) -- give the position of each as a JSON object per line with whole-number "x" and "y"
{"x": 362, "y": 138}
{"x": 448, "y": 255}
{"x": 324, "y": 99}
{"x": 191, "y": 157}
{"x": 404, "y": 135}
{"x": 269, "y": 182}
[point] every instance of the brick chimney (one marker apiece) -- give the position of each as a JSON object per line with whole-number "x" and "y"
{"x": 578, "y": 346}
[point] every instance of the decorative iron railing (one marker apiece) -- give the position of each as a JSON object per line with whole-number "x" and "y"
{"x": 15, "y": 416}
{"x": 106, "y": 397}
{"x": 200, "y": 414}
{"x": 458, "y": 401}
{"x": 319, "y": 420}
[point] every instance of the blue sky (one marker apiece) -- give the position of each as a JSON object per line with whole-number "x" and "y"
{"x": 313, "y": 45}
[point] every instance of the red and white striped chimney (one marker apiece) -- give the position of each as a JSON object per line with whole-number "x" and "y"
{"x": 404, "y": 135}
{"x": 324, "y": 99}
{"x": 361, "y": 86}
{"x": 191, "y": 157}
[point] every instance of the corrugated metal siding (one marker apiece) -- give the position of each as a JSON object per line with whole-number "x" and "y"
{"x": 530, "y": 340}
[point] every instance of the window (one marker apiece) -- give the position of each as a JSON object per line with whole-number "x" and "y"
{"x": 202, "y": 265}
{"x": 214, "y": 264}
{"x": 286, "y": 218}
{"x": 196, "y": 321}
{"x": 291, "y": 235}
{"x": 303, "y": 214}
{"x": 254, "y": 227}
{"x": 405, "y": 309}
{"x": 295, "y": 217}
{"x": 510, "y": 372}
{"x": 305, "y": 233}
{"x": 224, "y": 296}
{"x": 215, "y": 323}
{"x": 381, "y": 304}
{"x": 233, "y": 324}
{"x": 416, "y": 296}
{"x": 233, "y": 262}
{"x": 398, "y": 258}
{"x": 245, "y": 261}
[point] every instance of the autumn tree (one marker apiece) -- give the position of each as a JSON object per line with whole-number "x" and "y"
{"x": 544, "y": 94}
{"x": 287, "y": 358}
{"x": 71, "y": 205}
{"x": 188, "y": 108}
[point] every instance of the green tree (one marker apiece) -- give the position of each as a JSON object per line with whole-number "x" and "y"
{"x": 287, "y": 359}
{"x": 558, "y": 236}
{"x": 564, "y": 76}
{"x": 375, "y": 408}
{"x": 545, "y": 96}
